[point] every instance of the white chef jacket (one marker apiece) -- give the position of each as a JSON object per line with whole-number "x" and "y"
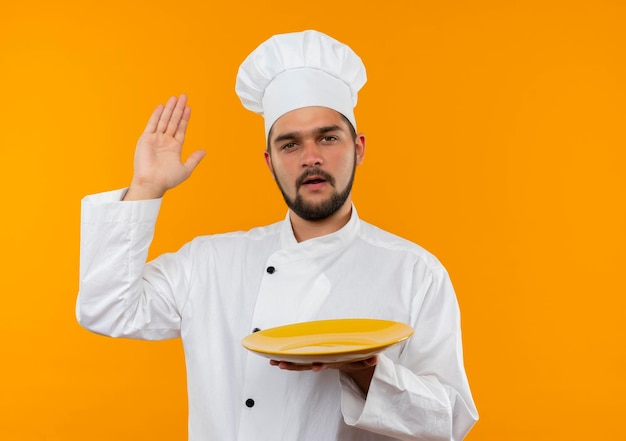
{"x": 217, "y": 289}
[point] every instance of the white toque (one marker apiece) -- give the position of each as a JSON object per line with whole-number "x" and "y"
{"x": 301, "y": 69}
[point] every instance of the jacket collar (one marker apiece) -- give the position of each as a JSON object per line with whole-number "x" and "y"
{"x": 322, "y": 244}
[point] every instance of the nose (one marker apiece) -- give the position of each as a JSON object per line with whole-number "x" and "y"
{"x": 311, "y": 155}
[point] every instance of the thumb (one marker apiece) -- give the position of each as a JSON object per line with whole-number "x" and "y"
{"x": 194, "y": 159}
{"x": 370, "y": 361}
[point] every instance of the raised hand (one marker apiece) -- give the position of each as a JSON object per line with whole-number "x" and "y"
{"x": 158, "y": 162}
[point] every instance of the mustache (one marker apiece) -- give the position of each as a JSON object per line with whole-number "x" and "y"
{"x": 314, "y": 172}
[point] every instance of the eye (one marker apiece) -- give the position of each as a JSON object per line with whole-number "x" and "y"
{"x": 288, "y": 146}
{"x": 329, "y": 138}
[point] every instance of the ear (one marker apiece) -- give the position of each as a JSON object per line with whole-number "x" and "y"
{"x": 268, "y": 161}
{"x": 360, "y": 148}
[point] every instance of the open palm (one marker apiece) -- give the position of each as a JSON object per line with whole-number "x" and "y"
{"x": 158, "y": 164}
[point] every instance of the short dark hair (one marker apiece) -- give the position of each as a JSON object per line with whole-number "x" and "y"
{"x": 347, "y": 121}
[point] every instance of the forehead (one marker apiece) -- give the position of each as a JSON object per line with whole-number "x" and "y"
{"x": 307, "y": 119}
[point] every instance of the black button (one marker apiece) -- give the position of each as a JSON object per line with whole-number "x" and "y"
{"x": 256, "y": 330}
{"x": 271, "y": 270}
{"x": 250, "y": 402}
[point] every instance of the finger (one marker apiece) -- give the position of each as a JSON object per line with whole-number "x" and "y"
{"x": 182, "y": 125}
{"x": 194, "y": 159}
{"x": 295, "y": 367}
{"x": 154, "y": 119}
{"x": 166, "y": 115}
{"x": 287, "y": 366}
{"x": 317, "y": 367}
{"x": 177, "y": 115}
{"x": 373, "y": 361}
{"x": 361, "y": 364}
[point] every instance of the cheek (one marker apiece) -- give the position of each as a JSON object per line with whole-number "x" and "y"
{"x": 347, "y": 164}
{"x": 284, "y": 179}
{"x": 287, "y": 168}
{"x": 276, "y": 168}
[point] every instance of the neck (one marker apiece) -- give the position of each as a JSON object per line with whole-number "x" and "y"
{"x": 304, "y": 229}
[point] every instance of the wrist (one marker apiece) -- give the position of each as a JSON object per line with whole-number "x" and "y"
{"x": 138, "y": 192}
{"x": 361, "y": 373}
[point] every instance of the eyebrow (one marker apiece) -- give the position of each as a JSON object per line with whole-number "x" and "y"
{"x": 318, "y": 131}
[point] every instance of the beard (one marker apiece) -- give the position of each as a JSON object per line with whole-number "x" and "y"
{"x": 321, "y": 210}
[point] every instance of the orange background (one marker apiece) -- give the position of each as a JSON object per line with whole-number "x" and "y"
{"x": 495, "y": 140}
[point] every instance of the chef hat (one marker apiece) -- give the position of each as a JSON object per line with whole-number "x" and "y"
{"x": 300, "y": 69}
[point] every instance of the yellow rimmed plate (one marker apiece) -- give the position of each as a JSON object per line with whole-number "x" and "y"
{"x": 327, "y": 341}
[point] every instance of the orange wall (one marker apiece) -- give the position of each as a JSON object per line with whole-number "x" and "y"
{"x": 496, "y": 139}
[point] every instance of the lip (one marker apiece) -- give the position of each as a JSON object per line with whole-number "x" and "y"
{"x": 314, "y": 182}
{"x": 315, "y": 186}
{"x": 313, "y": 179}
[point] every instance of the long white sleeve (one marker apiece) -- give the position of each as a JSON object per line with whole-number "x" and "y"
{"x": 428, "y": 396}
{"x": 113, "y": 299}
